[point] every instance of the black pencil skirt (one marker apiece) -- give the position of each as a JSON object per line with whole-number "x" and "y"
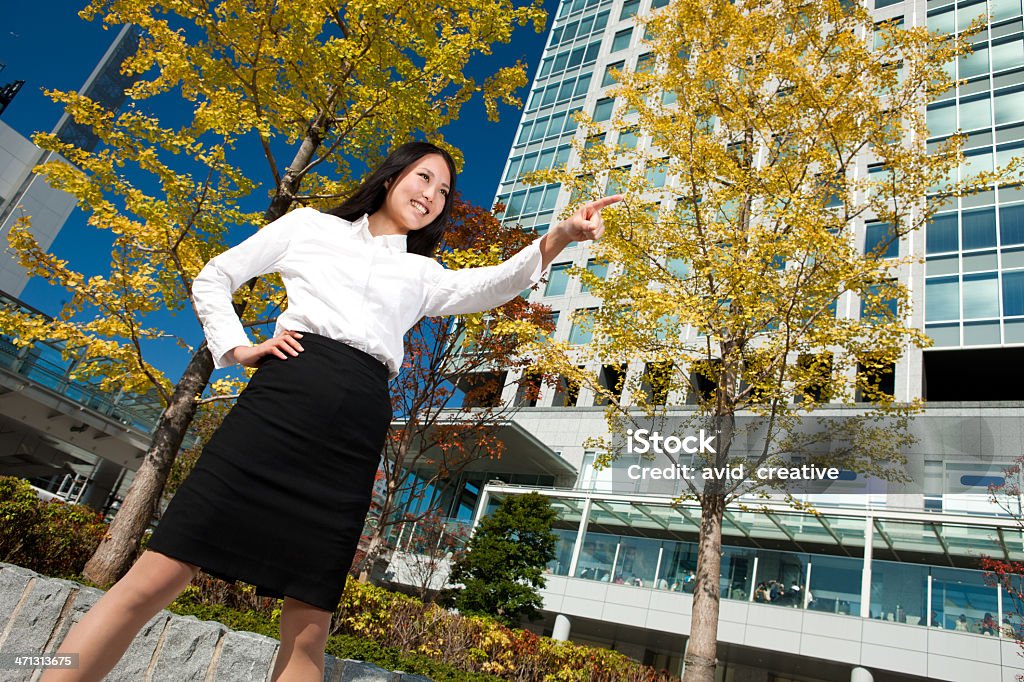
{"x": 279, "y": 495}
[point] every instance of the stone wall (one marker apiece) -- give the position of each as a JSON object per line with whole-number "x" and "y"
{"x": 36, "y": 613}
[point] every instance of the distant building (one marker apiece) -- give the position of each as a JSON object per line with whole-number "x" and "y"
{"x": 66, "y": 436}
{"x": 22, "y": 192}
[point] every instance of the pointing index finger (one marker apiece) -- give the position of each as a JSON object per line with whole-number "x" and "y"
{"x": 605, "y": 201}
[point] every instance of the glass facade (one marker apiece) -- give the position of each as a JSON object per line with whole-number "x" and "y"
{"x": 107, "y": 89}
{"x": 626, "y": 543}
{"x": 559, "y": 90}
{"x": 973, "y": 250}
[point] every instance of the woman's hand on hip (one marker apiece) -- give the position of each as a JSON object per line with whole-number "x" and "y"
{"x": 281, "y": 346}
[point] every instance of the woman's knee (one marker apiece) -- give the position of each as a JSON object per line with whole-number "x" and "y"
{"x": 308, "y": 625}
{"x": 155, "y": 578}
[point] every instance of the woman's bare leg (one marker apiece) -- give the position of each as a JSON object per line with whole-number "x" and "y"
{"x": 304, "y": 631}
{"x": 106, "y": 631}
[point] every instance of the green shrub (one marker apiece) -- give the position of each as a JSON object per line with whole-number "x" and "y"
{"x": 361, "y": 649}
{"x": 250, "y": 621}
{"x": 52, "y": 537}
{"x": 477, "y": 644}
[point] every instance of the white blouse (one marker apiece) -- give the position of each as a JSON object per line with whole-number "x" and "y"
{"x": 346, "y": 284}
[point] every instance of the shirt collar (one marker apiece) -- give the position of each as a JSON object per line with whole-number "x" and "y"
{"x": 392, "y": 242}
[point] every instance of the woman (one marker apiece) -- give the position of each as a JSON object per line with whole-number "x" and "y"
{"x": 279, "y": 496}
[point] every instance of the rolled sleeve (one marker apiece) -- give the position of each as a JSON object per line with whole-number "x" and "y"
{"x": 473, "y": 290}
{"x": 219, "y": 278}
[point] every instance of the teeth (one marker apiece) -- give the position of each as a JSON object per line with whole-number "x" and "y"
{"x": 420, "y": 207}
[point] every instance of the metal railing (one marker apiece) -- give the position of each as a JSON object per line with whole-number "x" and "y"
{"x": 43, "y": 364}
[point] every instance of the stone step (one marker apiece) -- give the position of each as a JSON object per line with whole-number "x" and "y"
{"x": 36, "y": 613}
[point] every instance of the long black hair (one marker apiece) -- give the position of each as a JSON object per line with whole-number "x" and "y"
{"x": 370, "y": 195}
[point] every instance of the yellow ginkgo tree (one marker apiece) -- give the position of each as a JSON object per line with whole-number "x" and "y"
{"x": 759, "y": 143}
{"x": 293, "y": 99}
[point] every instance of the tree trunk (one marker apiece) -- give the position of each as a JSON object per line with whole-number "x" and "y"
{"x": 384, "y": 524}
{"x": 702, "y": 648}
{"x": 117, "y": 550}
{"x": 376, "y": 540}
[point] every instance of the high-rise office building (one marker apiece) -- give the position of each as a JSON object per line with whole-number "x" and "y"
{"x": 884, "y": 585}
{"x": 22, "y": 192}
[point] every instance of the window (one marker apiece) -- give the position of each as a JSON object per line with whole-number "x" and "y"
{"x": 1005, "y": 9}
{"x": 513, "y": 168}
{"x": 658, "y": 4}
{"x": 629, "y": 9}
{"x": 621, "y": 40}
{"x": 553, "y": 321}
{"x": 529, "y": 388}
{"x": 628, "y": 138}
{"x": 976, "y": 113}
{"x": 645, "y": 63}
{"x": 880, "y": 239}
{"x": 678, "y": 267}
{"x": 550, "y": 95}
{"x": 515, "y": 204}
{"x": 582, "y": 85}
{"x": 942, "y": 299}
{"x": 815, "y": 377}
{"x": 482, "y": 389}
{"x": 875, "y": 306}
{"x": 941, "y": 234}
{"x": 942, "y": 22}
{"x": 609, "y": 78}
{"x": 524, "y": 133}
{"x": 582, "y": 326}
{"x": 834, "y": 189}
{"x": 656, "y": 175}
{"x": 979, "y": 228}
{"x": 533, "y": 197}
{"x": 597, "y": 269}
{"x": 618, "y": 180}
{"x": 703, "y": 381}
{"x": 875, "y": 381}
{"x": 576, "y": 57}
{"x": 612, "y": 378}
{"x": 603, "y": 109}
{"x": 566, "y": 393}
{"x": 656, "y": 382}
{"x": 981, "y": 296}
{"x": 1011, "y": 224}
{"x": 974, "y": 64}
{"x": 1013, "y": 293}
{"x": 1008, "y": 55}
{"x": 942, "y": 120}
{"x": 550, "y": 197}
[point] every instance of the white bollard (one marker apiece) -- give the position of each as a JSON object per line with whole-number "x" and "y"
{"x": 561, "y": 630}
{"x": 861, "y": 675}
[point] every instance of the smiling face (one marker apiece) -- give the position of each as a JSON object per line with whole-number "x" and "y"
{"x": 418, "y": 195}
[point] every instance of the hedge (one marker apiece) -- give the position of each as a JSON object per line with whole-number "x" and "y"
{"x": 52, "y": 538}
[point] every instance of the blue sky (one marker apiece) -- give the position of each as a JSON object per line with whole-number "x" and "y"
{"x": 47, "y": 45}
